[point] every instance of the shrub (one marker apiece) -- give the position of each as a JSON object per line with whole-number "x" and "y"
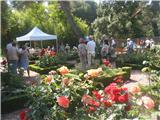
{"x": 13, "y": 92}
{"x": 133, "y": 60}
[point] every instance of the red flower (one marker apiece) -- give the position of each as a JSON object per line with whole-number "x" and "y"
{"x": 115, "y": 90}
{"x": 63, "y": 101}
{"x": 52, "y": 53}
{"x": 124, "y": 89}
{"x": 42, "y": 53}
{"x": 23, "y": 116}
{"x": 107, "y": 103}
{"x": 96, "y": 94}
{"x": 114, "y": 98}
{"x": 94, "y": 103}
{"x": 106, "y": 62}
{"x": 123, "y": 98}
{"x": 108, "y": 89}
{"x": 91, "y": 109}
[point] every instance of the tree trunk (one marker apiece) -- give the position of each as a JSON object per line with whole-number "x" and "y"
{"x": 66, "y": 9}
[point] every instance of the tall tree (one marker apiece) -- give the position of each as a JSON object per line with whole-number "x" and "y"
{"x": 122, "y": 20}
{"x": 155, "y": 9}
{"x": 86, "y": 10}
{"x": 66, "y": 8}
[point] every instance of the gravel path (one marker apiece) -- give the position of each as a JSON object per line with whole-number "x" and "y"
{"x": 137, "y": 77}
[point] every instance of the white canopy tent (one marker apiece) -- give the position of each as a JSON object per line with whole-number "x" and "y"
{"x": 37, "y": 35}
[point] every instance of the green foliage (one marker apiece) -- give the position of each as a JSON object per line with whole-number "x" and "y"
{"x": 122, "y": 20}
{"x": 46, "y": 61}
{"x": 134, "y": 60}
{"x": 86, "y": 10}
{"x": 29, "y": 14}
{"x": 12, "y": 92}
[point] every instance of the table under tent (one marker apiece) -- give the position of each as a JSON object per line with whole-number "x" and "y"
{"x": 37, "y": 35}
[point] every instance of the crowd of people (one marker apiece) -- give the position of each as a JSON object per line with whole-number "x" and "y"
{"x": 87, "y": 51}
{"x": 131, "y": 45}
{"x": 19, "y": 57}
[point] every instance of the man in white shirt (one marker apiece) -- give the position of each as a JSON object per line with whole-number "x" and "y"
{"x": 12, "y": 56}
{"x": 91, "y": 46}
{"x": 147, "y": 42}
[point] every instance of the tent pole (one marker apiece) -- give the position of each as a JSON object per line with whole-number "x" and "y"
{"x": 57, "y": 45}
{"x": 30, "y": 44}
{"x": 41, "y": 44}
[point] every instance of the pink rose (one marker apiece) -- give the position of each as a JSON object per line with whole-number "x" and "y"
{"x": 147, "y": 102}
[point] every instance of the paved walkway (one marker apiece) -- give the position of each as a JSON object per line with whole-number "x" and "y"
{"x": 137, "y": 77}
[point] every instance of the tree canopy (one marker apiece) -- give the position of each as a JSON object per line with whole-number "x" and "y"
{"x": 118, "y": 19}
{"x": 122, "y": 20}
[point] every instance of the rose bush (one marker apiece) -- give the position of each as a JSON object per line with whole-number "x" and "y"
{"x": 69, "y": 94}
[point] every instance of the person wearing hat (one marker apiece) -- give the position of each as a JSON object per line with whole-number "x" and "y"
{"x": 130, "y": 45}
{"x": 82, "y": 51}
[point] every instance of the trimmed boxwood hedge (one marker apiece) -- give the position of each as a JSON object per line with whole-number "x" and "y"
{"x": 110, "y": 74}
{"x": 13, "y": 103}
{"x": 41, "y": 70}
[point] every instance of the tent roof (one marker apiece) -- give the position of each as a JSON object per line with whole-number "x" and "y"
{"x": 36, "y": 35}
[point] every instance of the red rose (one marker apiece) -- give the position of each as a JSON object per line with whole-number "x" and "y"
{"x": 63, "y": 101}
{"x": 115, "y": 90}
{"x": 96, "y": 94}
{"x": 23, "y": 116}
{"x": 106, "y": 62}
{"x": 93, "y": 102}
{"x": 124, "y": 89}
{"x": 123, "y": 98}
{"x": 107, "y": 103}
{"x": 114, "y": 98}
{"x": 108, "y": 89}
{"x": 91, "y": 109}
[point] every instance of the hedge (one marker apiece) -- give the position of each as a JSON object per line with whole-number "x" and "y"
{"x": 41, "y": 70}
{"x": 13, "y": 103}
